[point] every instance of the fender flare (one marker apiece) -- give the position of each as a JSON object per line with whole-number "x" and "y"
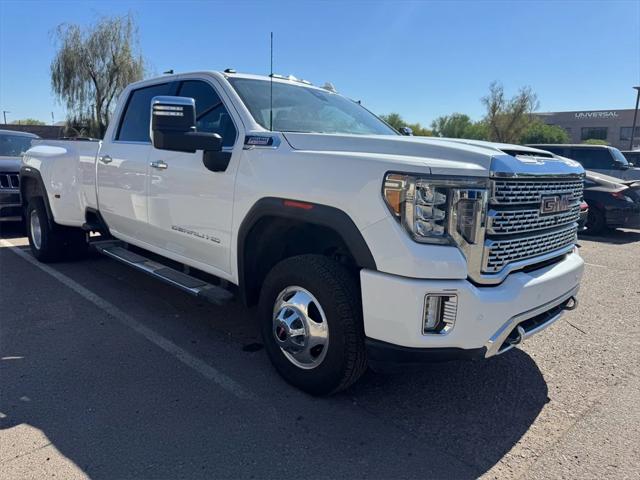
{"x": 30, "y": 172}
{"x": 307, "y": 212}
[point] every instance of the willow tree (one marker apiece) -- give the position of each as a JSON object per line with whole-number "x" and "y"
{"x": 93, "y": 65}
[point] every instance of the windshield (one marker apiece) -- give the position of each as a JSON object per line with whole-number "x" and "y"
{"x": 309, "y": 110}
{"x": 618, "y": 156}
{"x": 14, "y": 145}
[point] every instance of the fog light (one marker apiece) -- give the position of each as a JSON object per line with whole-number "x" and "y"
{"x": 439, "y": 313}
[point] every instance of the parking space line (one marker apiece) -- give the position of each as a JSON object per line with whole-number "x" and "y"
{"x": 596, "y": 265}
{"x": 168, "y": 346}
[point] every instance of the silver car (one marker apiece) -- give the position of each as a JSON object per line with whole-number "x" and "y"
{"x": 12, "y": 147}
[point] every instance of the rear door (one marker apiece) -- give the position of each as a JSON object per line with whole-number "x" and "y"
{"x": 123, "y": 166}
{"x": 190, "y": 207}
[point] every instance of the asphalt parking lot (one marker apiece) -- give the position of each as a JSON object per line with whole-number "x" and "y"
{"x": 106, "y": 373}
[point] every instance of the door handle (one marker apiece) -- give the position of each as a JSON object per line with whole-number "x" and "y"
{"x": 159, "y": 164}
{"x": 106, "y": 159}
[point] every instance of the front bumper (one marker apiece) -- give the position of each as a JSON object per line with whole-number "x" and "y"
{"x": 487, "y": 318}
{"x": 10, "y": 205}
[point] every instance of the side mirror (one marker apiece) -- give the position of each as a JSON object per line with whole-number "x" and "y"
{"x": 623, "y": 166}
{"x": 173, "y": 126}
{"x": 406, "y": 131}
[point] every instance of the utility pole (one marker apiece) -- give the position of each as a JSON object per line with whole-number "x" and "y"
{"x": 4, "y": 114}
{"x": 52, "y": 119}
{"x": 635, "y": 116}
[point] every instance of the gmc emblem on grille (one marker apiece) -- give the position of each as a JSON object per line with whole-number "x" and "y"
{"x": 555, "y": 203}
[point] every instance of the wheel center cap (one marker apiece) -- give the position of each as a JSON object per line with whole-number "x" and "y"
{"x": 290, "y": 330}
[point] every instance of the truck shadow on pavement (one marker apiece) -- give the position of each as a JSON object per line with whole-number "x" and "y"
{"x": 473, "y": 411}
{"x": 452, "y": 420}
{"x": 119, "y": 407}
{"x": 12, "y": 230}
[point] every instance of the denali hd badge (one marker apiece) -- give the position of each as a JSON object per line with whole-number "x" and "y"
{"x": 555, "y": 204}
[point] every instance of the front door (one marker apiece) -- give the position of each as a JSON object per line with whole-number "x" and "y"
{"x": 190, "y": 207}
{"x": 123, "y": 166}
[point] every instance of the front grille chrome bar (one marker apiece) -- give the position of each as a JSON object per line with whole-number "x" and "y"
{"x": 523, "y": 191}
{"x": 499, "y": 253}
{"x": 509, "y": 222}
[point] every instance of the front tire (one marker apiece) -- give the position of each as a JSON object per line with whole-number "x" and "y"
{"x": 596, "y": 222}
{"x": 50, "y": 242}
{"x": 311, "y": 323}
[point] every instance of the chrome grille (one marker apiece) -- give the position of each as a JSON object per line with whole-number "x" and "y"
{"x": 499, "y": 253}
{"x": 516, "y": 229}
{"x": 514, "y": 192}
{"x": 505, "y": 222}
{"x": 9, "y": 181}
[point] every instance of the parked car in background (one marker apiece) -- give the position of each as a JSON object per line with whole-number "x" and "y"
{"x": 12, "y": 147}
{"x": 633, "y": 157}
{"x": 612, "y": 202}
{"x": 597, "y": 158}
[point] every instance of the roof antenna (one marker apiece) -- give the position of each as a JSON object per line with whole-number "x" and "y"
{"x": 271, "y": 89}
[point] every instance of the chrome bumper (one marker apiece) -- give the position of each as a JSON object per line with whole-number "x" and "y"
{"x": 527, "y": 324}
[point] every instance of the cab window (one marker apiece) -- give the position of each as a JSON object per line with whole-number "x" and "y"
{"x": 211, "y": 115}
{"x": 134, "y": 126}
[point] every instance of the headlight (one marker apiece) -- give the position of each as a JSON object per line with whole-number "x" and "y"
{"x": 437, "y": 210}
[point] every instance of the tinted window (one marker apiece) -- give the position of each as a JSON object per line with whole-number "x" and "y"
{"x": 297, "y": 108}
{"x": 597, "y": 133}
{"x": 592, "y": 157}
{"x": 135, "y": 121}
{"x": 14, "y": 145}
{"x": 552, "y": 149}
{"x": 211, "y": 116}
{"x": 618, "y": 157}
{"x": 625, "y": 133}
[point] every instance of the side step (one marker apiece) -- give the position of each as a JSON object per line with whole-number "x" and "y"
{"x": 186, "y": 283}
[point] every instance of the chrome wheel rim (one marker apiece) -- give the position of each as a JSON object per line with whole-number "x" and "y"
{"x": 36, "y": 230}
{"x": 300, "y": 327}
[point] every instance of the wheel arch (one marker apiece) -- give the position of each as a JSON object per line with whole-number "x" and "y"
{"x": 313, "y": 228}
{"x": 32, "y": 185}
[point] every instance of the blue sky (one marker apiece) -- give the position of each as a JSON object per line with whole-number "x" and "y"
{"x": 420, "y": 59}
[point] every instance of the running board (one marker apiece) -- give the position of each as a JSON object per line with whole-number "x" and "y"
{"x": 186, "y": 283}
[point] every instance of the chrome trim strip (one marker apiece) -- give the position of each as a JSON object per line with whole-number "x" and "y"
{"x": 568, "y": 235}
{"x": 497, "y": 220}
{"x": 498, "y": 338}
{"x": 498, "y": 277}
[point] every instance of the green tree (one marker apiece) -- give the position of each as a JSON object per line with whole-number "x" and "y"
{"x": 28, "y": 121}
{"x": 539, "y": 132}
{"x": 507, "y": 119}
{"x": 93, "y": 65}
{"x": 397, "y": 122}
{"x": 459, "y": 125}
{"x": 595, "y": 141}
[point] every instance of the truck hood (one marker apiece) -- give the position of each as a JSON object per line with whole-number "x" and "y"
{"x": 10, "y": 164}
{"x": 441, "y": 155}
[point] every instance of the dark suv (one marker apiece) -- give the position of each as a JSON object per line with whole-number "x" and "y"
{"x": 597, "y": 158}
{"x": 12, "y": 147}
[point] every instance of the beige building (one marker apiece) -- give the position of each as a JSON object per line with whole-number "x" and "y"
{"x": 613, "y": 126}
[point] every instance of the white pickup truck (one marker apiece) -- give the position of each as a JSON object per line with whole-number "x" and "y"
{"x": 360, "y": 246}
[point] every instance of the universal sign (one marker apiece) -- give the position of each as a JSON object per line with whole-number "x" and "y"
{"x": 597, "y": 115}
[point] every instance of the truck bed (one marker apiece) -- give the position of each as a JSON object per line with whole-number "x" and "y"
{"x": 68, "y": 168}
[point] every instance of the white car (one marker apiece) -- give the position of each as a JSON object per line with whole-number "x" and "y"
{"x": 359, "y": 245}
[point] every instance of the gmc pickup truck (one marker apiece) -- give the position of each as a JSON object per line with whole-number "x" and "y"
{"x": 360, "y": 246}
